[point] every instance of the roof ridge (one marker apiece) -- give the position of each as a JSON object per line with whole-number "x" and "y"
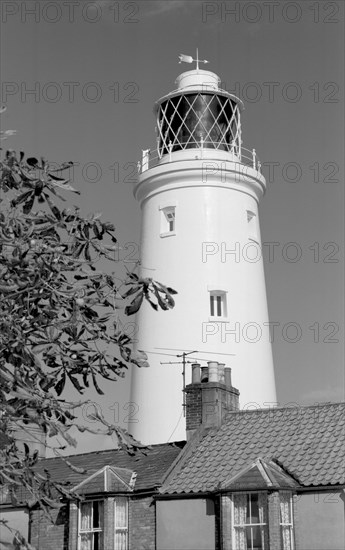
{"x": 103, "y": 451}
{"x": 285, "y": 408}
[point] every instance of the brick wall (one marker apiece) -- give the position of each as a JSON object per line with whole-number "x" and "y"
{"x": 142, "y": 524}
{"x": 62, "y": 532}
{"x": 49, "y": 535}
{"x": 274, "y": 521}
{"x": 193, "y": 407}
{"x": 208, "y": 404}
{"x": 225, "y": 523}
{"x": 73, "y": 526}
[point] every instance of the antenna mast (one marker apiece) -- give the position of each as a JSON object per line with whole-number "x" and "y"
{"x": 184, "y": 362}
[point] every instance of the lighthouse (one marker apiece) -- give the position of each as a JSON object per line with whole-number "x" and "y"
{"x": 199, "y": 192}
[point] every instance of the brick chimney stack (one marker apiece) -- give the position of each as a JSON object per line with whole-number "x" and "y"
{"x": 209, "y": 397}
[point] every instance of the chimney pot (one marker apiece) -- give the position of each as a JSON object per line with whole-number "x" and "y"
{"x": 221, "y": 367}
{"x": 196, "y": 373}
{"x": 213, "y": 375}
{"x": 204, "y": 374}
{"x": 227, "y": 376}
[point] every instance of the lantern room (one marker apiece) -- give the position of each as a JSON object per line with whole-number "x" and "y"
{"x": 198, "y": 114}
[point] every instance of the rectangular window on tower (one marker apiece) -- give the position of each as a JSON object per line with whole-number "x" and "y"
{"x": 218, "y": 309}
{"x": 253, "y": 233}
{"x": 168, "y": 222}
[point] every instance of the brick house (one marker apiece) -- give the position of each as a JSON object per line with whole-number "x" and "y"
{"x": 270, "y": 479}
{"x": 118, "y": 510}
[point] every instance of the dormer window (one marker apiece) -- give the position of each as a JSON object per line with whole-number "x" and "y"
{"x": 168, "y": 222}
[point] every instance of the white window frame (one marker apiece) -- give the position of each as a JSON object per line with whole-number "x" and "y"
{"x": 120, "y": 529}
{"x": 263, "y": 525}
{"x": 217, "y": 301}
{"x": 92, "y": 530}
{"x": 287, "y": 525}
{"x": 168, "y": 221}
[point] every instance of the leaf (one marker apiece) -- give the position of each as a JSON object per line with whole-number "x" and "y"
{"x": 61, "y": 384}
{"x": 97, "y": 388}
{"x": 64, "y": 166}
{"x": 52, "y": 207}
{"x": 41, "y": 347}
{"x": 135, "y": 304}
{"x": 32, "y": 161}
{"x": 160, "y": 301}
{"x": 171, "y": 290}
{"x": 139, "y": 358}
{"x": 55, "y": 178}
{"x": 65, "y": 186}
{"x": 28, "y": 205}
{"x": 75, "y": 383}
{"x": 131, "y": 291}
{"x": 87, "y": 253}
{"x": 53, "y": 503}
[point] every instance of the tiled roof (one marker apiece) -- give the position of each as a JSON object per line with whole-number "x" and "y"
{"x": 306, "y": 442}
{"x": 150, "y": 465}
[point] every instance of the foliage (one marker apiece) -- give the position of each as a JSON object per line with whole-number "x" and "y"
{"x": 59, "y": 313}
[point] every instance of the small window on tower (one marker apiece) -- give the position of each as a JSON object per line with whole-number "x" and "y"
{"x": 168, "y": 221}
{"x": 253, "y": 226}
{"x": 218, "y": 305}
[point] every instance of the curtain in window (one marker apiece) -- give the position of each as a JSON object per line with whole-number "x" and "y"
{"x": 240, "y": 518}
{"x": 286, "y": 520}
{"x": 86, "y": 541}
{"x": 120, "y": 541}
{"x": 262, "y": 501}
{"x": 121, "y": 524}
{"x": 86, "y": 514}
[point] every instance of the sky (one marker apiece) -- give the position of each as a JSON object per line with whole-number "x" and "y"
{"x": 79, "y": 80}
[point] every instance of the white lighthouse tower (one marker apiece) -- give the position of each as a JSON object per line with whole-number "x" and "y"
{"x": 199, "y": 194}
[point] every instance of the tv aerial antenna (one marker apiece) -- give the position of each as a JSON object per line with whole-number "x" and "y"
{"x": 182, "y": 355}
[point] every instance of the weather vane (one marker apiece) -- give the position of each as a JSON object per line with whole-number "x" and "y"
{"x": 189, "y": 59}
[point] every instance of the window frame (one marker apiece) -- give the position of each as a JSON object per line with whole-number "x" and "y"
{"x": 216, "y": 305}
{"x": 253, "y": 226}
{"x": 168, "y": 221}
{"x": 263, "y": 525}
{"x": 92, "y": 530}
